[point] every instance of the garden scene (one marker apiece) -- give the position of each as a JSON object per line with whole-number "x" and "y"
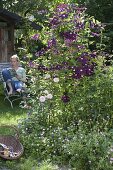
{"x": 68, "y": 121}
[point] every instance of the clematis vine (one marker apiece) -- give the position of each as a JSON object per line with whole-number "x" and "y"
{"x": 66, "y": 50}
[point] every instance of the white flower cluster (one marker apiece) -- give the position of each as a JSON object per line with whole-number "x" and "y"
{"x": 46, "y": 96}
{"x": 48, "y": 76}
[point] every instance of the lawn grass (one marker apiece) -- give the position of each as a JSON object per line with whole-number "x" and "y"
{"x": 10, "y": 115}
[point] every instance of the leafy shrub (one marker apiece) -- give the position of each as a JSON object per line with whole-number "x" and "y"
{"x": 90, "y": 150}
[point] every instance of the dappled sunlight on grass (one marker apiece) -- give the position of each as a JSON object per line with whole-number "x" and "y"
{"x": 10, "y": 119}
{"x": 10, "y": 115}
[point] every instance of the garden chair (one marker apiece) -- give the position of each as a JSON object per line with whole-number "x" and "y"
{"x": 17, "y": 95}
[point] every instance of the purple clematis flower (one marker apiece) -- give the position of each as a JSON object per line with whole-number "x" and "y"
{"x": 88, "y": 70}
{"x": 52, "y": 43}
{"x": 63, "y": 16}
{"x": 69, "y": 35}
{"x": 55, "y": 21}
{"x": 62, "y": 8}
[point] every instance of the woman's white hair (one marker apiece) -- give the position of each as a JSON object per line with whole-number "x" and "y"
{"x": 15, "y": 56}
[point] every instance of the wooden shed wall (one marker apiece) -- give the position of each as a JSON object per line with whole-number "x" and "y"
{"x": 6, "y": 43}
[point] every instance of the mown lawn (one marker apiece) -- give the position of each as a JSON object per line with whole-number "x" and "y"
{"x": 10, "y": 115}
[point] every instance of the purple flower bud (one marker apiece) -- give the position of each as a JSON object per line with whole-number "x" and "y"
{"x": 92, "y": 24}
{"x": 35, "y": 37}
{"x": 65, "y": 98}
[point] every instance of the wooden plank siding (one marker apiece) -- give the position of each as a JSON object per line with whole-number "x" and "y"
{"x": 6, "y": 43}
{"x": 10, "y": 21}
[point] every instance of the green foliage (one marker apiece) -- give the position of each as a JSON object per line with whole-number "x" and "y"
{"x": 27, "y": 164}
{"x": 70, "y": 91}
{"x": 47, "y": 133}
{"x": 90, "y": 150}
{"x": 101, "y": 10}
{"x": 46, "y": 165}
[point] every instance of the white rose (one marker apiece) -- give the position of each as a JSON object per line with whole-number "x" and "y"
{"x": 49, "y": 96}
{"x": 56, "y": 80}
{"x": 42, "y": 98}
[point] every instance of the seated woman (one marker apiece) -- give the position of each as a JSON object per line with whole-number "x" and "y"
{"x": 15, "y": 77}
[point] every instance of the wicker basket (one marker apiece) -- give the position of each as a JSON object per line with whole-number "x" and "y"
{"x": 11, "y": 141}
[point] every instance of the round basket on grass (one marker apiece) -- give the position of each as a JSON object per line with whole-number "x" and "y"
{"x": 10, "y": 146}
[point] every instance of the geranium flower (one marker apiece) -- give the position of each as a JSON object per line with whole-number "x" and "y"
{"x": 41, "y": 52}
